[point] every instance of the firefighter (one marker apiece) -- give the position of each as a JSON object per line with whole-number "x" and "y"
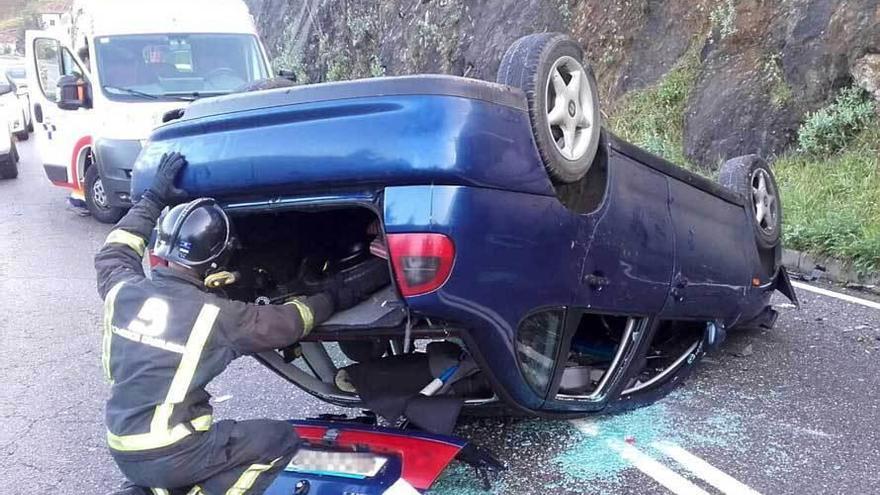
{"x": 166, "y": 337}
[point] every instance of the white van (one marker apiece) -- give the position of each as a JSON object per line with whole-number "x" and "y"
{"x": 102, "y": 81}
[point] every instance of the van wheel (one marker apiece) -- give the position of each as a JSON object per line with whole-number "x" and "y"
{"x": 97, "y": 200}
{"x": 563, "y": 101}
{"x": 751, "y": 177}
{"x": 9, "y": 170}
{"x": 22, "y": 135}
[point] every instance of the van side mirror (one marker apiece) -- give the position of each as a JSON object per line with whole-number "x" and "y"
{"x": 287, "y": 74}
{"x": 73, "y": 93}
{"x": 5, "y": 88}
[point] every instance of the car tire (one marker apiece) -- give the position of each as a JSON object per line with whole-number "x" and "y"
{"x": 22, "y": 135}
{"x": 564, "y": 114}
{"x": 97, "y": 201}
{"x": 9, "y": 169}
{"x": 751, "y": 178}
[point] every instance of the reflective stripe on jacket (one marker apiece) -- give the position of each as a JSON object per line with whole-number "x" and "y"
{"x": 166, "y": 337}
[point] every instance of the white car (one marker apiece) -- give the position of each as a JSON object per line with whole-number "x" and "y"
{"x": 17, "y": 101}
{"x": 8, "y": 156}
{"x": 22, "y": 123}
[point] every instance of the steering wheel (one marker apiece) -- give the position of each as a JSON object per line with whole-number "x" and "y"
{"x": 223, "y": 78}
{"x": 220, "y": 72}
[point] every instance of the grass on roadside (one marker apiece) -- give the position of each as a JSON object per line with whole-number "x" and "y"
{"x": 830, "y": 193}
{"x": 832, "y": 203}
{"x": 653, "y": 118}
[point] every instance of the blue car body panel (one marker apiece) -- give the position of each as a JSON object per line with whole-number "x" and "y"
{"x": 320, "y": 146}
{"x": 457, "y": 157}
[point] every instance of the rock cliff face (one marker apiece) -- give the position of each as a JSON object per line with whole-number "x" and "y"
{"x": 762, "y": 64}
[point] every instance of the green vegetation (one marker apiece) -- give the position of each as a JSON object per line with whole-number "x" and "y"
{"x": 832, "y": 202}
{"x": 829, "y": 129}
{"x": 723, "y": 19}
{"x": 564, "y": 11}
{"x": 653, "y": 118}
{"x": 830, "y": 187}
{"x": 780, "y": 91}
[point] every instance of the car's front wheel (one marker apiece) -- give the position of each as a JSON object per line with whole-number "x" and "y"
{"x": 98, "y": 200}
{"x": 751, "y": 177}
{"x": 563, "y": 101}
{"x": 9, "y": 165}
{"x": 22, "y": 135}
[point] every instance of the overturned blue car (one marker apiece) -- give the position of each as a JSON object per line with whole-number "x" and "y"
{"x": 575, "y": 273}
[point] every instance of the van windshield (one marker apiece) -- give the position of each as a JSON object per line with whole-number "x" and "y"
{"x": 159, "y": 66}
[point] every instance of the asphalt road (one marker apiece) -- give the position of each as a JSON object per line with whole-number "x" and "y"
{"x": 793, "y": 410}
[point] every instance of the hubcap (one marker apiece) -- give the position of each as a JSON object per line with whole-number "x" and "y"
{"x": 569, "y": 107}
{"x": 98, "y": 194}
{"x": 764, "y": 201}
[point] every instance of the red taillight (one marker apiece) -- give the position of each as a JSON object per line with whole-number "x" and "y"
{"x": 422, "y": 262}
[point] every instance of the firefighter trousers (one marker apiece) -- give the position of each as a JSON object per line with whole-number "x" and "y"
{"x": 233, "y": 457}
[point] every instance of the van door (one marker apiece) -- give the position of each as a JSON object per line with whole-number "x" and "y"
{"x": 62, "y": 136}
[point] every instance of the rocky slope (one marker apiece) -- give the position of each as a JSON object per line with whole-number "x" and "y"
{"x": 758, "y": 65}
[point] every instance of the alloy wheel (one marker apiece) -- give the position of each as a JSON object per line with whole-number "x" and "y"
{"x": 764, "y": 201}
{"x": 569, "y": 108}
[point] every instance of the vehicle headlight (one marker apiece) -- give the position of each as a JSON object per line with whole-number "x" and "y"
{"x": 537, "y": 341}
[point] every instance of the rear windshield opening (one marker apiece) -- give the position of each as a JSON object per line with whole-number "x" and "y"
{"x": 288, "y": 253}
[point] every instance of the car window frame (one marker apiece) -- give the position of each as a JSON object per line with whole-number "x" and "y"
{"x": 62, "y": 62}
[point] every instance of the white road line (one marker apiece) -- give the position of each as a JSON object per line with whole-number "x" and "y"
{"x": 836, "y": 295}
{"x": 704, "y": 470}
{"x": 673, "y": 481}
{"x": 668, "y": 478}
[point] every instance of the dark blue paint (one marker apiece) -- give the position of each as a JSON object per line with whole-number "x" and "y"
{"x": 630, "y": 242}
{"x": 392, "y": 140}
{"x": 713, "y": 266}
{"x": 669, "y": 244}
{"x": 514, "y": 252}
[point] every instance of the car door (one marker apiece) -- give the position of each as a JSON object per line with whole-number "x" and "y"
{"x": 712, "y": 242}
{"x": 60, "y": 134}
{"x": 628, "y": 264}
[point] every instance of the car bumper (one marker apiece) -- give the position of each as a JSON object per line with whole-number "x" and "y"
{"x": 115, "y": 159}
{"x": 17, "y": 125}
{"x": 5, "y": 144}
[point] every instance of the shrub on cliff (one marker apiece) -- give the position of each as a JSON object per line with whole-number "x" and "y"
{"x": 830, "y": 128}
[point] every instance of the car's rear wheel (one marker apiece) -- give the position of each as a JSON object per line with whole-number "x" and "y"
{"x": 98, "y": 200}
{"x": 563, "y": 101}
{"x": 22, "y": 135}
{"x": 9, "y": 165}
{"x": 751, "y": 177}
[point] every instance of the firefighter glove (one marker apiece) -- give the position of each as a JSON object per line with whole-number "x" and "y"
{"x": 163, "y": 189}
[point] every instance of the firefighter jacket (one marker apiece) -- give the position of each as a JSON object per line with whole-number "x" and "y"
{"x": 166, "y": 337}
